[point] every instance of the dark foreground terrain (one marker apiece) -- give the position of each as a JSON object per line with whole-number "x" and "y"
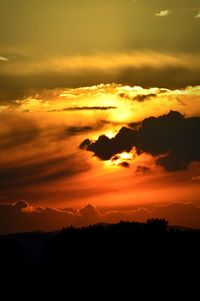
{"x": 102, "y": 254}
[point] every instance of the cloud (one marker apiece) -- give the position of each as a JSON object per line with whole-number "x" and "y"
{"x": 40, "y": 159}
{"x": 89, "y": 215}
{"x": 198, "y": 15}
{"x": 147, "y": 67}
{"x": 86, "y": 108}
{"x": 172, "y": 138}
{"x": 23, "y": 175}
{"x": 17, "y": 218}
{"x": 125, "y": 164}
{"x": 14, "y": 217}
{"x": 20, "y": 205}
{"x": 75, "y": 130}
{"x": 3, "y": 59}
{"x": 163, "y": 13}
{"x": 139, "y": 97}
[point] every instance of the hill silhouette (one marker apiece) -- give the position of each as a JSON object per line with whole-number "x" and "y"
{"x": 102, "y": 253}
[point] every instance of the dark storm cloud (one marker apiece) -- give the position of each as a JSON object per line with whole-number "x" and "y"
{"x": 174, "y": 137}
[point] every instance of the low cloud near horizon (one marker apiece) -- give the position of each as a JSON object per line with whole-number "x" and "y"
{"x": 20, "y": 217}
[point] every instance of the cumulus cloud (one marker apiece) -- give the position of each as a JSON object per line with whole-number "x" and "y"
{"x": 163, "y": 13}
{"x": 89, "y": 215}
{"x": 172, "y": 136}
{"x": 13, "y": 217}
{"x": 16, "y": 218}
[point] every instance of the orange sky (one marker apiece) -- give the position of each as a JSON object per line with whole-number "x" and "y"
{"x": 79, "y": 81}
{"x": 42, "y": 163}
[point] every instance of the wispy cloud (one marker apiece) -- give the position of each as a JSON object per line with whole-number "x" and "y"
{"x": 163, "y": 13}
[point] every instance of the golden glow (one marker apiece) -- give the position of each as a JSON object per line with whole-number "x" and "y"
{"x": 125, "y": 156}
{"x": 110, "y": 134}
{"x": 57, "y": 134}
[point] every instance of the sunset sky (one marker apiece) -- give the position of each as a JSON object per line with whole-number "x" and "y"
{"x": 99, "y": 112}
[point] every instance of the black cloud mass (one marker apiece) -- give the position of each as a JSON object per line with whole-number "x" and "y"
{"x": 172, "y": 139}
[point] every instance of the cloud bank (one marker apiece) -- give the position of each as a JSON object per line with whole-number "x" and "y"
{"x": 163, "y": 69}
{"x": 20, "y": 217}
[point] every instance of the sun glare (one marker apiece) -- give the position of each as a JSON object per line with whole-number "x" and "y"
{"x": 125, "y": 156}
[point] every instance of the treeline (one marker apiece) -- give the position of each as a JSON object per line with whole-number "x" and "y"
{"x": 114, "y": 251}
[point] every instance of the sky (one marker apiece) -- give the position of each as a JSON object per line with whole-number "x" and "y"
{"x": 99, "y": 112}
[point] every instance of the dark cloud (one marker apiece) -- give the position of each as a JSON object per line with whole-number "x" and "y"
{"x": 89, "y": 108}
{"x": 139, "y": 97}
{"x": 143, "y": 97}
{"x": 172, "y": 136}
{"x": 85, "y": 144}
{"x": 105, "y": 148}
{"x": 85, "y": 108}
{"x": 125, "y": 164}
